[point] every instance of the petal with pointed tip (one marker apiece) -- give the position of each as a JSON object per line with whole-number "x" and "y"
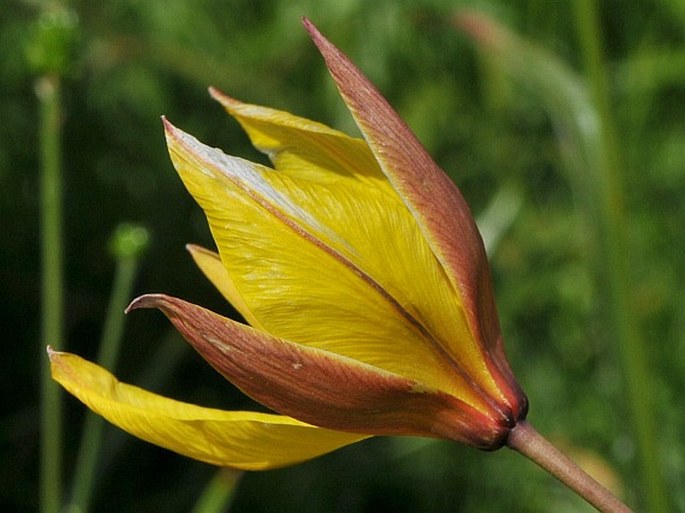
{"x": 436, "y": 203}
{"x": 323, "y": 388}
{"x": 211, "y": 266}
{"x": 305, "y": 148}
{"x": 342, "y": 267}
{"x": 244, "y": 440}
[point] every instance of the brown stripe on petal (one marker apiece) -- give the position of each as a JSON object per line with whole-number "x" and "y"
{"x": 203, "y": 156}
{"x": 268, "y": 204}
{"x": 323, "y": 388}
{"x": 435, "y": 202}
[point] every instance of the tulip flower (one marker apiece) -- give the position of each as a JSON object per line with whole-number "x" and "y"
{"x": 364, "y": 284}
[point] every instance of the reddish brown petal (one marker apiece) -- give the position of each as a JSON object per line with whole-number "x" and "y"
{"x": 323, "y": 388}
{"x": 436, "y": 203}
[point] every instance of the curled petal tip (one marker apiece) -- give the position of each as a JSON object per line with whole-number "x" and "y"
{"x": 53, "y": 354}
{"x": 145, "y": 301}
{"x": 133, "y": 305}
{"x": 56, "y": 359}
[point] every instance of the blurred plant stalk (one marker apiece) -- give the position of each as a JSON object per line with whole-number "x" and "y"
{"x": 219, "y": 492}
{"x": 611, "y": 198}
{"x": 588, "y": 144}
{"x": 49, "y": 52}
{"x": 127, "y": 246}
{"x": 48, "y": 92}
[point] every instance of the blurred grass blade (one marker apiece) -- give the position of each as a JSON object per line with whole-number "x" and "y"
{"x": 560, "y": 90}
{"x": 499, "y": 215}
{"x": 127, "y": 246}
{"x": 588, "y": 145}
{"x": 614, "y": 227}
{"x": 652, "y": 70}
{"x": 219, "y": 492}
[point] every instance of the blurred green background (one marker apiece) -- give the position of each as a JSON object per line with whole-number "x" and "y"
{"x": 568, "y": 141}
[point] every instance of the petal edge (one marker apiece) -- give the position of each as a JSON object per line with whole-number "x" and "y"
{"x": 244, "y": 440}
{"x": 323, "y": 388}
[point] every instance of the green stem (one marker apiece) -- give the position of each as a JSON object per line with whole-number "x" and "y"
{"x": 610, "y": 194}
{"x": 526, "y": 440}
{"x": 127, "y": 244}
{"x": 91, "y": 440}
{"x": 219, "y": 492}
{"x": 52, "y": 332}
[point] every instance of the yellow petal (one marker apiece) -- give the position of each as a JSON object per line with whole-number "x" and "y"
{"x": 210, "y": 264}
{"x": 324, "y": 388}
{"x": 342, "y": 267}
{"x": 442, "y": 214}
{"x": 244, "y": 440}
{"x": 303, "y": 148}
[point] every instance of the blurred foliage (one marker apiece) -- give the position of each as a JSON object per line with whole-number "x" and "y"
{"x": 126, "y": 62}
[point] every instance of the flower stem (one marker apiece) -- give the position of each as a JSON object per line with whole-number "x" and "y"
{"x": 48, "y": 93}
{"x": 127, "y": 244}
{"x": 219, "y": 493}
{"x": 526, "y": 440}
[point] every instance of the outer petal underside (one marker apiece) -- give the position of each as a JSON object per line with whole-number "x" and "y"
{"x": 434, "y": 200}
{"x": 340, "y": 267}
{"x": 323, "y": 388}
{"x": 437, "y": 205}
{"x": 244, "y": 440}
